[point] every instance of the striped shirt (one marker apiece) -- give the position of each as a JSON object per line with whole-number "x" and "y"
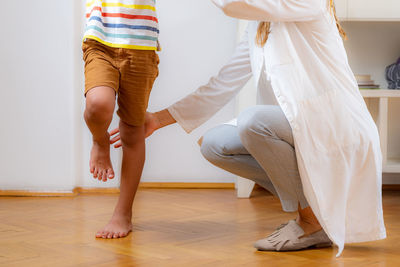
{"x": 129, "y": 24}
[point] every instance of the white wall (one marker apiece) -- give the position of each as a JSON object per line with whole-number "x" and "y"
{"x": 44, "y": 142}
{"x": 36, "y": 103}
{"x": 197, "y": 41}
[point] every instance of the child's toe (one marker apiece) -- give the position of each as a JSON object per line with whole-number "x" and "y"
{"x": 110, "y": 235}
{"x": 110, "y": 174}
{"x": 99, "y": 175}
{"x": 104, "y": 234}
{"x": 104, "y": 175}
{"x": 99, "y": 234}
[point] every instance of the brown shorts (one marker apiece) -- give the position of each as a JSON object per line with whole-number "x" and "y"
{"x": 131, "y": 73}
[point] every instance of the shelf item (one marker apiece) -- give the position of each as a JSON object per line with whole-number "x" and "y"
{"x": 370, "y": 83}
{"x": 366, "y": 87}
{"x": 363, "y": 78}
{"x": 393, "y": 75}
{"x": 364, "y": 81}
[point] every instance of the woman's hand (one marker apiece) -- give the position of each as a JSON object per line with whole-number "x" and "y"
{"x": 151, "y": 125}
{"x": 115, "y": 137}
{"x": 153, "y": 122}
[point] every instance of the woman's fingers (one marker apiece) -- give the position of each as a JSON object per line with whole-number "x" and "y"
{"x": 119, "y": 144}
{"x": 115, "y": 139}
{"x": 115, "y": 131}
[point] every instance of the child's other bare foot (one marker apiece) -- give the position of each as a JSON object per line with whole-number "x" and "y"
{"x": 118, "y": 227}
{"x": 100, "y": 162}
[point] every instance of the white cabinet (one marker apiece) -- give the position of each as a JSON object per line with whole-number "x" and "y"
{"x": 369, "y": 10}
{"x": 341, "y": 9}
{"x": 373, "y": 9}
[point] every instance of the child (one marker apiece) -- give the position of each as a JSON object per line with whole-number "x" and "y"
{"x": 120, "y": 62}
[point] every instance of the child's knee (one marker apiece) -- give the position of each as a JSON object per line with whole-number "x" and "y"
{"x": 99, "y": 108}
{"x": 131, "y": 135}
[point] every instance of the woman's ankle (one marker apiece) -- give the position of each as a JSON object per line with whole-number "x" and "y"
{"x": 308, "y": 221}
{"x": 308, "y": 228}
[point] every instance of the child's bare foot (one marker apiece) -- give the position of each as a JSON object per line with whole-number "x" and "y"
{"x": 118, "y": 227}
{"x": 100, "y": 162}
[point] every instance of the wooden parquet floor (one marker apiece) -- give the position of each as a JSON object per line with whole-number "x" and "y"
{"x": 172, "y": 227}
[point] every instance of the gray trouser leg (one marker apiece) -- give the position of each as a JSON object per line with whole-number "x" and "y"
{"x": 222, "y": 147}
{"x": 266, "y": 134}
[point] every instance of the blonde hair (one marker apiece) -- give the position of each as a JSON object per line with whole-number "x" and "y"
{"x": 264, "y": 27}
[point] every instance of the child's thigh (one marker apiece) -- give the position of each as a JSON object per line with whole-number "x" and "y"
{"x": 100, "y": 66}
{"x": 138, "y": 74}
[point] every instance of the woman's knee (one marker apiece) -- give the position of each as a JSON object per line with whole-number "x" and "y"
{"x": 254, "y": 121}
{"x": 213, "y": 144}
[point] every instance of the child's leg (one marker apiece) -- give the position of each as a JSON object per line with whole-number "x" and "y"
{"x": 139, "y": 69}
{"x": 133, "y": 147}
{"x": 100, "y": 103}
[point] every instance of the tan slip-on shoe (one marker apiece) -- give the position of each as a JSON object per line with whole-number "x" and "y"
{"x": 289, "y": 237}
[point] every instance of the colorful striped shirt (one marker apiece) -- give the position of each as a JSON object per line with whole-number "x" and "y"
{"x": 129, "y": 24}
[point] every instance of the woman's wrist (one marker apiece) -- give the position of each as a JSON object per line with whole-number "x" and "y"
{"x": 164, "y": 118}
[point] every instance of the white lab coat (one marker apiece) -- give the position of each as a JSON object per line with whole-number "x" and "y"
{"x": 336, "y": 140}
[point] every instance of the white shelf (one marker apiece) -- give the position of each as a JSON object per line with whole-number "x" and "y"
{"x": 378, "y": 93}
{"x": 392, "y": 166}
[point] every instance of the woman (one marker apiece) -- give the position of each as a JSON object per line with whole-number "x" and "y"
{"x": 318, "y": 149}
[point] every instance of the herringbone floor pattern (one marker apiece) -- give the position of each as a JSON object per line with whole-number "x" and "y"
{"x": 172, "y": 227}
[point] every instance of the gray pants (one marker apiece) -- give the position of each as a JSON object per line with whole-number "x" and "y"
{"x": 261, "y": 149}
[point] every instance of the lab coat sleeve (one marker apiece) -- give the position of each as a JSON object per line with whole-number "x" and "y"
{"x": 273, "y": 10}
{"x": 198, "y": 107}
